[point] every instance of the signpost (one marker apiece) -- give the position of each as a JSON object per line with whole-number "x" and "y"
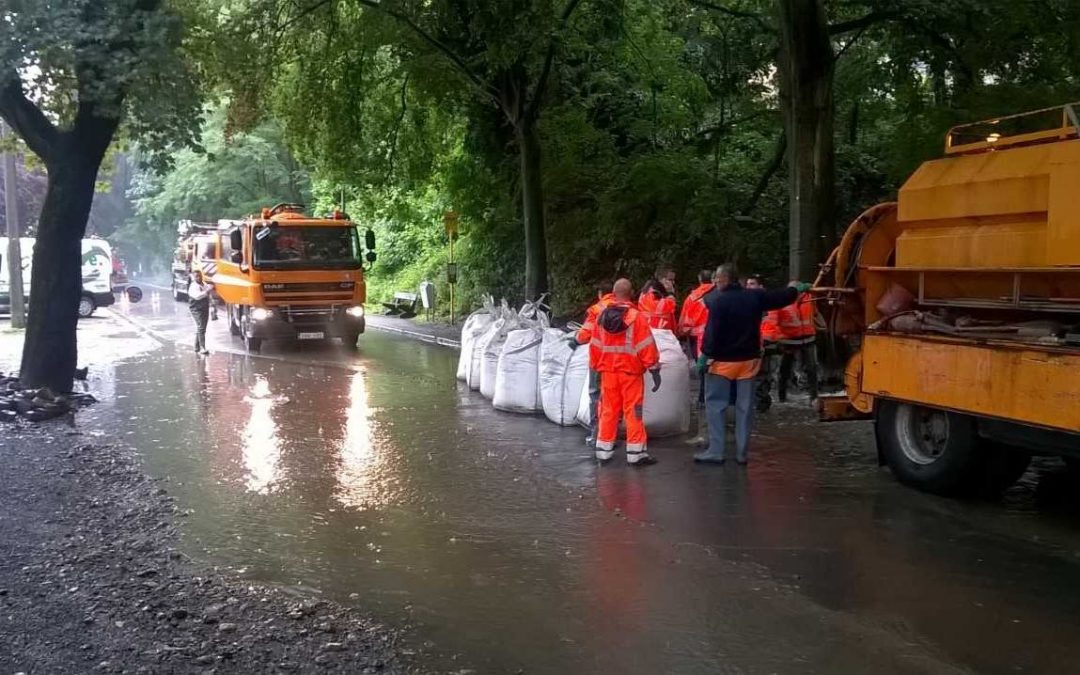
{"x": 450, "y": 221}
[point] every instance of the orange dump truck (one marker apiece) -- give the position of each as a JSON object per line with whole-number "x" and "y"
{"x": 284, "y": 275}
{"x": 958, "y": 308}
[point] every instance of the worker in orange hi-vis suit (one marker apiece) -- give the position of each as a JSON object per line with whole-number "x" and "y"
{"x": 795, "y": 324}
{"x": 583, "y": 336}
{"x": 692, "y": 320}
{"x": 657, "y": 301}
{"x": 694, "y": 314}
{"x": 621, "y": 349}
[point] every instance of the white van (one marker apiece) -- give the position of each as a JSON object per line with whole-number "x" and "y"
{"x": 96, "y": 273}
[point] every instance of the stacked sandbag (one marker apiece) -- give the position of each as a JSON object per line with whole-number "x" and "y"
{"x": 583, "y": 415}
{"x": 500, "y": 316}
{"x": 666, "y": 411}
{"x": 475, "y": 326}
{"x": 486, "y": 358}
{"x": 564, "y": 372}
{"x": 517, "y": 373}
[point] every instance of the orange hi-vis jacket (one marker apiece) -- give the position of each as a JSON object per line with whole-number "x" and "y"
{"x": 796, "y": 321}
{"x": 770, "y": 326}
{"x": 622, "y": 341}
{"x": 694, "y": 314}
{"x": 591, "y": 315}
{"x": 658, "y": 311}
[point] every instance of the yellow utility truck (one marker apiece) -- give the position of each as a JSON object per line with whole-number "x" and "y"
{"x": 958, "y": 308}
{"x": 284, "y": 275}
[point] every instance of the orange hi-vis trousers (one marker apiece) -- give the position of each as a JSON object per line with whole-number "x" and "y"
{"x": 622, "y": 394}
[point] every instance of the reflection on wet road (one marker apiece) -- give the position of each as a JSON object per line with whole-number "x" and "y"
{"x": 373, "y": 478}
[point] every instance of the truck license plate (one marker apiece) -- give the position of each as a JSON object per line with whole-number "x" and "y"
{"x": 312, "y": 336}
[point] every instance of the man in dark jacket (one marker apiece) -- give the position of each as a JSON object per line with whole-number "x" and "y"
{"x": 731, "y": 356}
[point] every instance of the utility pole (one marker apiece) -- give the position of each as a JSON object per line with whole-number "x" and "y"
{"x": 14, "y": 231}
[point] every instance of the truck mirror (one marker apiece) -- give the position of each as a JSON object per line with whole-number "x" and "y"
{"x": 236, "y": 241}
{"x": 236, "y": 257}
{"x": 369, "y": 240}
{"x": 370, "y": 256}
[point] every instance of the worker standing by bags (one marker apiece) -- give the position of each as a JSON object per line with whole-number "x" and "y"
{"x": 798, "y": 340}
{"x": 692, "y": 321}
{"x": 770, "y": 335}
{"x": 621, "y": 349}
{"x": 657, "y": 300}
{"x": 583, "y": 336}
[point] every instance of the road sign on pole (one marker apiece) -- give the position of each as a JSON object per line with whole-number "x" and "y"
{"x": 450, "y": 221}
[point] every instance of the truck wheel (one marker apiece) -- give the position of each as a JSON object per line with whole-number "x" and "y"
{"x": 351, "y": 342}
{"x": 929, "y": 449}
{"x": 234, "y": 325}
{"x": 86, "y": 306}
{"x": 252, "y": 344}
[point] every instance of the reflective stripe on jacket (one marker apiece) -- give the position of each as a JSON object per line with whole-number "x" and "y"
{"x": 622, "y": 341}
{"x": 659, "y": 312}
{"x": 694, "y": 314}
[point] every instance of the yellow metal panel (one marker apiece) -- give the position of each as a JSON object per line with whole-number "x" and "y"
{"x": 1063, "y": 227}
{"x": 995, "y": 183}
{"x": 1010, "y": 382}
{"x": 1020, "y": 244}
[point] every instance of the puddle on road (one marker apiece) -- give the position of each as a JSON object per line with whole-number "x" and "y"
{"x": 499, "y": 540}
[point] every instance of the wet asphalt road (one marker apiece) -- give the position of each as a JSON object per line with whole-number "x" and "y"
{"x": 373, "y": 478}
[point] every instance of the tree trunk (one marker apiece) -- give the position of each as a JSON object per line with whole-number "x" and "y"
{"x": 49, "y": 354}
{"x": 532, "y": 202}
{"x": 806, "y": 61}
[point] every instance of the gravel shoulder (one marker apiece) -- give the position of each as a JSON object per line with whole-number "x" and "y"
{"x": 91, "y": 580}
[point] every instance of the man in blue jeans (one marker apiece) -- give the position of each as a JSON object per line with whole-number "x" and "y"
{"x": 731, "y": 357}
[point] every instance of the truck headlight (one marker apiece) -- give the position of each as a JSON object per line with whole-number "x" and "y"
{"x": 261, "y": 314}
{"x": 356, "y": 311}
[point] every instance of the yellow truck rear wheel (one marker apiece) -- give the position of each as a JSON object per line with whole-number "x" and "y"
{"x": 941, "y": 452}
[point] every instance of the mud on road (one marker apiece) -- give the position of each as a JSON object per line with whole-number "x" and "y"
{"x": 90, "y": 580}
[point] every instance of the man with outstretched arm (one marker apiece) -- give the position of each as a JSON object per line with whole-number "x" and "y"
{"x": 731, "y": 357}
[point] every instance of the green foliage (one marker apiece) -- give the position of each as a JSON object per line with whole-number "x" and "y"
{"x": 228, "y": 178}
{"x": 660, "y": 124}
{"x": 122, "y": 59}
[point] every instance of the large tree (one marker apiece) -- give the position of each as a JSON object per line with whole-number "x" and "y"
{"x": 471, "y": 54}
{"x": 71, "y": 73}
{"x": 805, "y": 60}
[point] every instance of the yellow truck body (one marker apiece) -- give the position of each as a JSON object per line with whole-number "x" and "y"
{"x": 283, "y": 275}
{"x": 960, "y": 305}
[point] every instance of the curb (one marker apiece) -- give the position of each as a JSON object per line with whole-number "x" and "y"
{"x": 423, "y": 337}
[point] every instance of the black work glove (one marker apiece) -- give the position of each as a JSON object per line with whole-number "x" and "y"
{"x": 572, "y": 342}
{"x": 655, "y": 372}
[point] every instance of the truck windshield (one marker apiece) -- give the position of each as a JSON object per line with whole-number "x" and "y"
{"x": 307, "y": 247}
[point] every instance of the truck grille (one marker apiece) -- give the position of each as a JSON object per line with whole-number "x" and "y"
{"x": 276, "y": 290}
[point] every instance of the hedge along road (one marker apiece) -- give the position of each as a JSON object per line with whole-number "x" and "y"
{"x": 374, "y": 478}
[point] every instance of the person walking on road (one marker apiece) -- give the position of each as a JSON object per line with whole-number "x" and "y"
{"x": 199, "y": 305}
{"x": 621, "y": 349}
{"x": 731, "y": 357}
{"x": 583, "y": 336}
